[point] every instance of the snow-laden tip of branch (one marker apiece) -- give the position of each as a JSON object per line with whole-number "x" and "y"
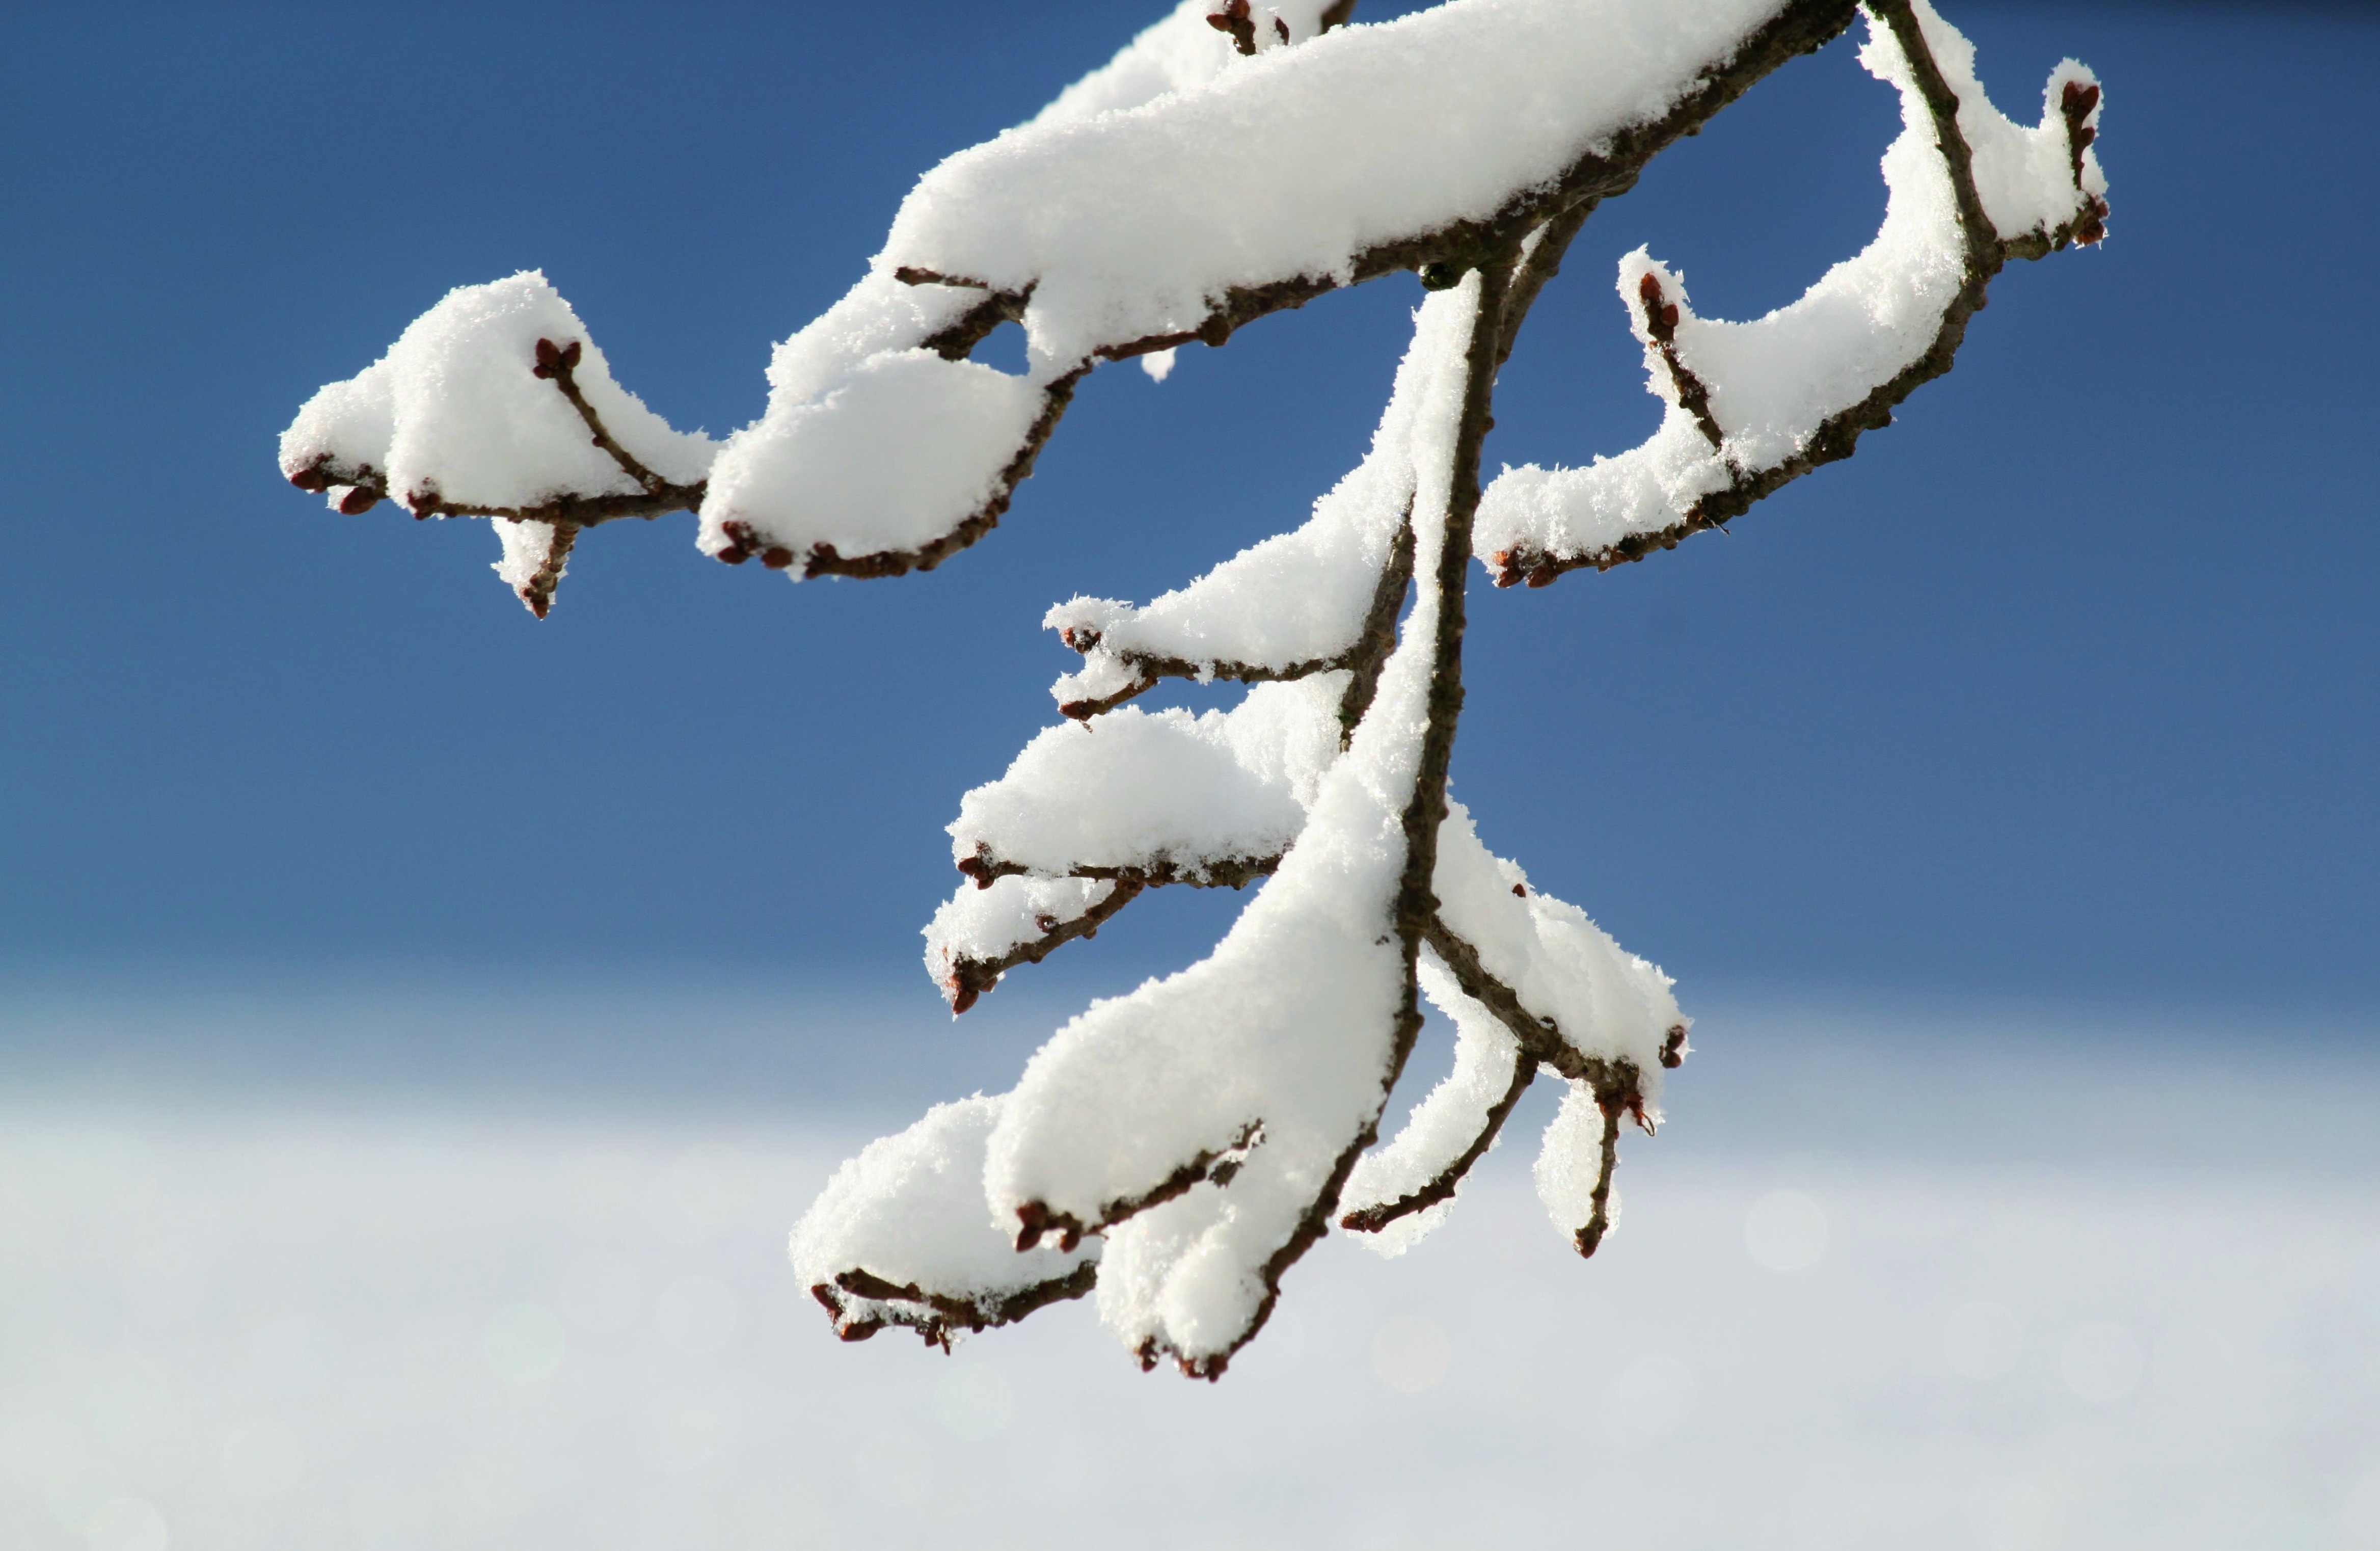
{"x": 1160, "y": 798}
{"x": 1398, "y": 1194}
{"x": 898, "y": 1237}
{"x": 981, "y": 932}
{"x": 536, "y": 557}
{"x": 1323, "y": 597}
{"x": 1753, "y": 406}
{"x": 1320, "y": 597}
{"x": 1528, "y": 981}
{"x": 495, "y": 403}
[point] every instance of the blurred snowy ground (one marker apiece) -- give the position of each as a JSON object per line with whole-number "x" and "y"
{"x": 469, "y": 1275}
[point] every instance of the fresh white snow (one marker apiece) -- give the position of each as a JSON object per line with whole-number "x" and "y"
{"x": 1773, "y": 382}
{"x": 454, "y": 408}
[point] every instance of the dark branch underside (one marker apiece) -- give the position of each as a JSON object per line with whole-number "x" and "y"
{"x": 935, "y": 1316}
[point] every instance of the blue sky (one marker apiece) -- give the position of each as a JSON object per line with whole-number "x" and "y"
{"x": 2063, "y": 687}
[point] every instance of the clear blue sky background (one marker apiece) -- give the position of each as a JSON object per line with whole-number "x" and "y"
{"x": 2064, "y": 685}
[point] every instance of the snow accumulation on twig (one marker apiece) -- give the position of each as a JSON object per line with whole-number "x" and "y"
{"x": 1174, "y": 1151}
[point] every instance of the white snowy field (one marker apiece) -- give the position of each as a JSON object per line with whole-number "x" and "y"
{"x": 1890, "y": 1287}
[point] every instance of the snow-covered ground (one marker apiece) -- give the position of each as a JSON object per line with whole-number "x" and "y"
{"x": 1877, "y": 1285}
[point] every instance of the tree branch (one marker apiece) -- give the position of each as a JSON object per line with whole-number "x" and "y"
{"x": 1537, "y": 269}
{"x": 934, "y": 1314}
{"x": 1615, "y": 1084}
{"x": 824, "y": 559}
{"x": 1231, "y": 871}
{"x": 1838, "y": 436}
{"x": 1375, "y": 638}
{"x": 1589, "y": 1235}
{"x": 1441, "y": 257}
{"x": 1426, "y": 810}
{"x": 1371, "y": 1220}
{"x": 367, "y": 486}
{"x": 1034, "y": 1219}
{"x": 970, "y": 978}
{"x": 1661, "y": 324}
{"x": 538, "y": 591}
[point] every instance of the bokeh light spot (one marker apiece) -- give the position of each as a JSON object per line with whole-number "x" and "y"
{"x": 599, "y": 1293}
{"x": 1652, "y": 1398}
{"x": 261, "y": 1460}
{"x": 126, "y": 1524}
{"x": 1411, "y": 1355}
{"x": 2100, "y": 1362}
{"x": 1785, "y": 1231}
{"x": 1981, "y": 1340}
{"x": 524, "y": 1344}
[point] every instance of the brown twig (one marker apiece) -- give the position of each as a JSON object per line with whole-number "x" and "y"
{"x": 1598, "y": 1217}
{"x": 1617, "y": 1086}
{"x": 1375, "y": 637}
{"x": 1661, "y": 327}
{"x": 1229, "y": 872}
{"x": 970, "y": 978}
{"x": 538, "y": 591}
{"x": 1034, "y": 1219}
{"x": 957, "y": 340}
{"x": 557, "y": 364}
{"x": 934, "y": 1314}
{"x": 1537, "y": 269}
{"x": 1441, "y": 1187}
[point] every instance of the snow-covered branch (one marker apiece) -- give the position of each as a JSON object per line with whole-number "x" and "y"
{"x": 1754, "y": 406}
{"x": 1154, "y": 221}
{"x": 1174, "y": 1151}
